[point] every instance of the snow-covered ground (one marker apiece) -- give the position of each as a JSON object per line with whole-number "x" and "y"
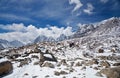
{"x": 79, "y": 52}
{"x": 35, "y": 71}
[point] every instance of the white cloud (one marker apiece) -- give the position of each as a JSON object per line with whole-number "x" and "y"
{"x": 104, "y": 1}
{"x": 15, "y": 17}
{"x": 26, "y": 34}
{"x": 78, "y": 4}
{"x": 68, "y": 31}
{"x": 89, "y": 9}
{"x": 13, "y": 27}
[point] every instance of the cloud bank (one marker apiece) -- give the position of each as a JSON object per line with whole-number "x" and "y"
{"x": 27, "y": 34}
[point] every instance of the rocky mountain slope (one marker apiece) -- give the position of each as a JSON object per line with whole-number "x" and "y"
{"x": 107, "y": 27}
{"x": 95, "y": 54}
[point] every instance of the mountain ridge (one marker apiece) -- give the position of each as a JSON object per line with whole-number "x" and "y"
{"x": 106, "y": 27}
{"x": 9, "y": 44}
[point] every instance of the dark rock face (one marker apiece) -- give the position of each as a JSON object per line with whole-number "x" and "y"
{"x": 5, "y": 68}
{"x": 111, "y": 72}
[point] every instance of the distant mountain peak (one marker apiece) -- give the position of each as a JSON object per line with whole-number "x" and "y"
{"x": 43, "y": 38}
{"x": 8, "y": 44}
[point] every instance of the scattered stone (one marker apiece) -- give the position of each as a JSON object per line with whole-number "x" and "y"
{"x": 35, "y": 56}
{"x": 100, "y": 50}
{"x": 83, "y": 62}
{"x": 24, "y": 62}
{"x": 72, "y": 64}
{"x": 26, "y": 74}
{"x": 78, "y": 64}
{"x": 71, "y": 70}
{"x": 31, "y": 52}
{"x": 71, "y": 45}
{"x": 83, "y": 68}
{"x": 16, "y": 55}
{"x": 102, "y": 57}
{"x": 1, "y": 56}
{"x": 36, "y": 50}
{"x": 5, "y": 68}
{"x": 47, "y": 64}
{"x": 96, "y": 68}
{"x": 36, "y": 63}
{"x": 56, "y": 73}
{"x": 47, "y": 76}
{"x": 63, "y": 72}
{"x": 105, "y": 63}
{"x": 64, "y": 77}
{"x": 79, "y": 74}
{"x": 93, "y": 61}
{"x": 63, "y": 62}
{"x": 60, "y": 73}
{"x": 99, "y": 74}
{"x": 34, "y": 76}
{"x": 91, "y": 66}
{"x": 74, "y": 77}
{"x": 116, "y": 64}
{"x": 83, "y": 73}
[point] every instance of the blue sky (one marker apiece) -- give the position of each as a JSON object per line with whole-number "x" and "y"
{"x": 54, "y": 13}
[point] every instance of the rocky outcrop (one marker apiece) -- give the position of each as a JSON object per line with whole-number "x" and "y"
{"x": 44, "y": 58}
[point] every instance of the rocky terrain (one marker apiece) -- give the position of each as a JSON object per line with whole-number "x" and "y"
{"x": 93, "y": 52}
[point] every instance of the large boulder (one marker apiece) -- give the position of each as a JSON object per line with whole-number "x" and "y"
{"x": 111, "y": 72}
{"x": 5, "y": 68}
{"x": 46, "y": 57}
